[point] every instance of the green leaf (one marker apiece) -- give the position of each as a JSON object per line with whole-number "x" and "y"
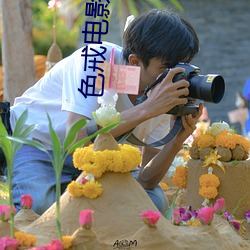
{"x": 24, "y": 134}
{"x": 35, "y": 144}
{"x": 5, "y": 144}
{"x": 172, "y": 207}
{"x": 238, "y": 205}
{"x": 56, "y": 147}
{"x": 20, "y": 123}
{"x": 71, "y": 136}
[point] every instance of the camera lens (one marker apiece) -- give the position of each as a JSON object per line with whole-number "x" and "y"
{"x": 209, "y": 88}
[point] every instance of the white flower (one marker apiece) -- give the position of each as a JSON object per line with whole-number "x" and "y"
{"x": 105, "y": 116}
{"x": 217, "y": 127}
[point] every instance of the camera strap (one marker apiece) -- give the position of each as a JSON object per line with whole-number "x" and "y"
{"x": 131, "y": 138}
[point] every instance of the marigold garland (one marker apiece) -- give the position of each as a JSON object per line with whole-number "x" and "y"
{"x": 180, "y": 177}
{"x": 208, "y": 186}
{"x": 98, "y": 162}
{"x": 24, "y": 239}
{"x": 95, "y": 163}
{"x": 209, "y": 180}
{"x": 206, "y": 141}
{"x": 208, "y": 192}
{"x": 226, "y": 139}
{"x": 95, "y": 169}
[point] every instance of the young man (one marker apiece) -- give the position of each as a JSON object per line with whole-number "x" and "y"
{"x": 154, "y": 41}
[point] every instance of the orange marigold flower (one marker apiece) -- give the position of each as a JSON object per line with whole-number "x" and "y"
{"x": 225, "y": 139}
{"x": 180, "y": 177}
{"x": 242, "y": 141}
{"x": 24, "y": 239}
{"x": 209, "y": 180}
{"x": 208, "y": 192}
{"x": 195, "y": 141}
{"x": 206, "y": 141}
{"x": 67, "y": 242}
{"x": 164, "y": 186}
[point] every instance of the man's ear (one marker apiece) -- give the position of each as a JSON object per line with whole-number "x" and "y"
{"x": 134, "y": 60}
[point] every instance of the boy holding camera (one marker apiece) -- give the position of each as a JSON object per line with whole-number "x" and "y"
{"x": 154, "y": 41}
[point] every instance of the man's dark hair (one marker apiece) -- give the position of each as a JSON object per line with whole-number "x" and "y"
{"x": 162, "y": 34}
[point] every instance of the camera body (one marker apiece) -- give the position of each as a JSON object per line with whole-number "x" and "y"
{"x": 209, "y": 88}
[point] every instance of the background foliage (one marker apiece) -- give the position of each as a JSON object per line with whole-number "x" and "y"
{"x": 42, "y": 19}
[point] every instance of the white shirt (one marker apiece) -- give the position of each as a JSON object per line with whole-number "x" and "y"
{"x": 57, "y": 93}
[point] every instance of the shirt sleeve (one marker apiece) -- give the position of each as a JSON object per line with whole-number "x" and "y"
{"x": 74, "y": 96}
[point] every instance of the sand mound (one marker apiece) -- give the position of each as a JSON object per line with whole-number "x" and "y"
{"x": 234, "y": 185}
{"x": 117, "y": 224}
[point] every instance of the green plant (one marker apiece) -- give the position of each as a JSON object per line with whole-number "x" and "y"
{"x": 4, "y": 191}
{"x": 10, "y": 148}
{"x": 42, "y": 19}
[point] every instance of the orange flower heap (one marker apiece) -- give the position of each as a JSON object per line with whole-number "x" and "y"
{"x": 206, "y": 141}
{"x": 219, "y": 136}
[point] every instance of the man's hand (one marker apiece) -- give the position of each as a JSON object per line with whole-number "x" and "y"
{"x": 167, "y": 94}
{"x": 188, "y": 125}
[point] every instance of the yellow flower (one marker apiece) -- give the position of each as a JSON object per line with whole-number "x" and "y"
{"x": 92, "y": 189}
{"x": 98, "y": 162}
{"x": 164, "y": 186}
{"x": 67, "y": 242}
{"x": 208, "y": 192}
{"x": 209, "y": 180}
{"x": 83, "y": 156}
{"x": 94, "y": 169}
{"x": 180, "y": 177}
{"x": 206, "y": 141}
{"x": 27, "y": 240}
{"x": 193, "y": 223}
{"x": 131, "y": 157}
{"x": 213, "y": 158}
{"x": 75, "y": 189}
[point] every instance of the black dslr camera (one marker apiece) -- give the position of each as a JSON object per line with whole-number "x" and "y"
{"x": 209, "y": 88}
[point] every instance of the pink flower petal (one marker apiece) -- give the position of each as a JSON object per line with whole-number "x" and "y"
{"x": 86, "y": 218}
{"x": 150, "y": 217}
{"x": 206, "y": 215}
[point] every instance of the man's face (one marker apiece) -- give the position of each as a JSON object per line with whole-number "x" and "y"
{"x": 149, "y": 75}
